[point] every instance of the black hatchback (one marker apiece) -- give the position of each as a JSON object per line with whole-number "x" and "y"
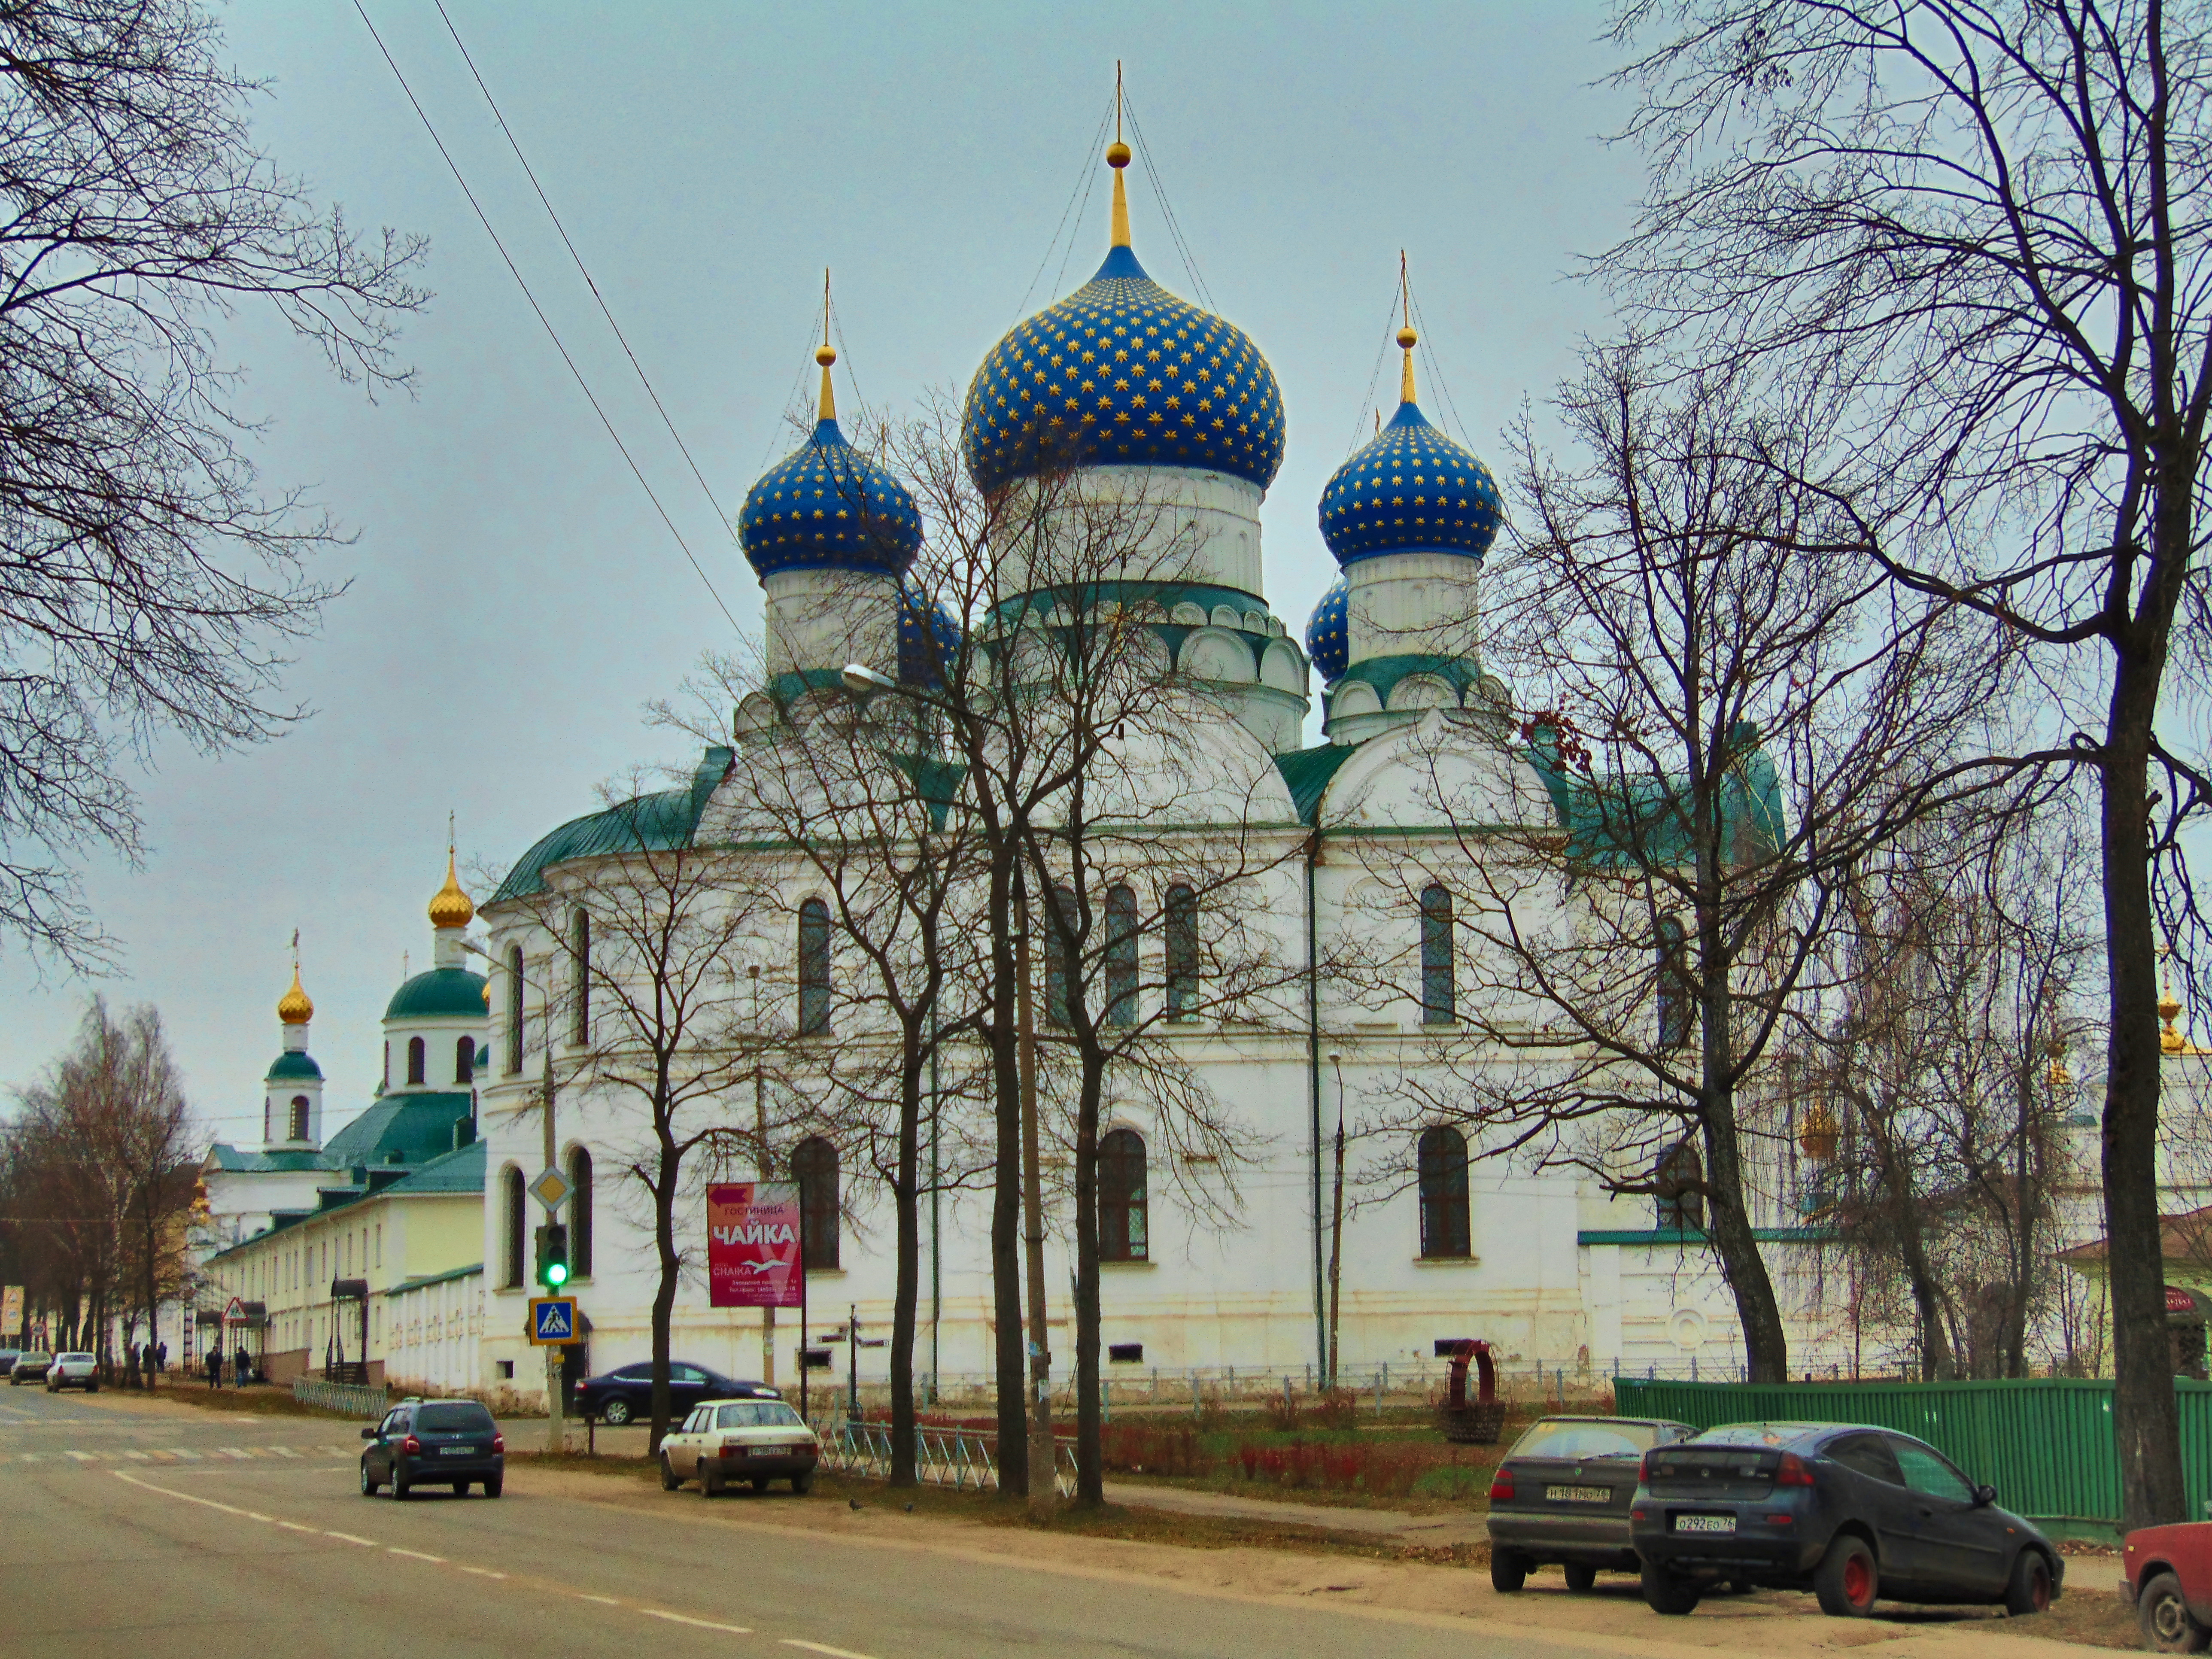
{"x": 1850, "y": 1512}
{"x": 624, "y": 1395}
{"x": 434, "y": 1442}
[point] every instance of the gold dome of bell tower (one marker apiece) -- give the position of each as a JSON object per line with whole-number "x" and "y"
{"x": 452, "y": 907}
{"x": 294, "y": 1007}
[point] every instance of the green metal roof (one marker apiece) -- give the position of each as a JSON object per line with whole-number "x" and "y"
{"x": 1307, "y": 771}
{"x": 290, "y": 1065}
{"x": 652, "y": 822}
{"x": 440, "y": 994}
{"x": 1665, "y": 1236}
{"x": 397, "y": 1128}
{"x": 1381, "y": 675}
{"x": 461, "y": 1170}
{"x": 406, "y": 1285}
{"x": 1645, "y": 822}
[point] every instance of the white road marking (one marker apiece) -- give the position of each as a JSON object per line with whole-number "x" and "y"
{"x": 82, "y": 1457}
{"x": 484, "y": 1572}
{"x": 141, "y": 1456}
{"x": 285, "y": 1451}
{"x": 234, "y": 1451}
{"x": 413, "y": 1555}
{"x": 816, "y": 1647}
{"x": 349, "y": 1538}
{"x": 604, "y": 1600}
{"x": 698, "y": 1624}
{"x": 294, "y": 1525}
{"x": 189, "y": 1457}
{"x": 252, "y": 1515}
{"x": 28, "y": 1457}
{"x": 204, "y": 1503}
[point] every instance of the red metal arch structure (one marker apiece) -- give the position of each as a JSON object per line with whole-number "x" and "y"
{"x": 1475, "y": 1422}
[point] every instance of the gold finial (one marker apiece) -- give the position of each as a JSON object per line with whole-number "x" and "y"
{"x": 294, "y": 1008}
{"x": 1817, "y": 1138}
{"x": 1117, "y": 157}
{"x": 1405, "y": 335}
{"x": 2170, "y": 1041}
{"x": 825, "y": 354}
{"x": 452, "y": 907}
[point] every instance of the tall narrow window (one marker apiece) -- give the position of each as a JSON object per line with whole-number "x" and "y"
{"x": 814, "y": 1166}
{"x": 415, "y": 1060}
{"x": 299, "y": 1117}
{"x": 579, "y": 1213}
{"x": 1058, "y": 914}
{"x": 1679, "y": 1176}
{"x": 1121, "y": 956}
{"x": 1445, "y": 1228}
{"x": 1675, "y": 1013}
{"x": 1122, "y": 1211}
{"x": 464, "y": 1060}
{"x": 1439, "y": 985}
{"x": 814, "y": 968}
{"x": 580, "y": 947}
{"x": 511, "y": 1226}
{"x": 1182, "y": 952}
{"x": 514, "y": 1015}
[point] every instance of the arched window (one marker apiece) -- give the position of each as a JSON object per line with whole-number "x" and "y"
{"x": 1122, "y": 1209}
{"x": 1058, "y": 914}
{"x": 1182, "y": 952}
{"x": 814, "y": 1167}
{"x": 512, "y": 1220}
{"x": 579, "y": 1213}
{"x": 514, "y": 1015}
{"x": 814, "y": 968}
{"x": 1677, "y": 1177}
{"x": 299, "y": 1117}
{"x": 464, "y": 1060}
{"x": 1676, "y": 1013}
{"x": 579, "y": 948}
{"x": 1439, "y": 985}
{"x": 1445, "y": 1231}
{"x": 414, "y": 1060}
{"x": 1121, "y": 956}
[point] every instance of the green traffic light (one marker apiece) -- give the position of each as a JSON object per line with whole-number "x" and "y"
{"x": 557, "y": 1274}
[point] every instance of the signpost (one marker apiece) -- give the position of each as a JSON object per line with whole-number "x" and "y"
{"x": 553, "y": 1322}
{"x": 551, "y": 1188}
{"x": 11, "y": 1312}
{"x": 756, "y": 1235}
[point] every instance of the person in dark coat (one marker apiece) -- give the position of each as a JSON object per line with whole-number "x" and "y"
{"x": 214, "y": 1368}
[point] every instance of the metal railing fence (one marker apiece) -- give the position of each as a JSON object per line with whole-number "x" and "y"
{"x": 353, "y": 1399}
{"x": 963, "y": 1458}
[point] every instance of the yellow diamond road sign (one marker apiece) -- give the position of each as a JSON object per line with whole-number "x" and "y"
{"x": 550, "y": 1189}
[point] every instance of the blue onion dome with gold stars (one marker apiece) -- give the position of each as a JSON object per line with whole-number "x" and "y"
{"x": 928, "y": 639}
{"x": 1121, "y": 373}
{"x": 1412, "y": 490}
{"x": 1328, "y": 643}
{"x": 827, "y": 507}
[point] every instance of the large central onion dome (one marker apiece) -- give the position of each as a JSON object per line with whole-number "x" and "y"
{"x": 1121, "y": 373}
{"x": 1412, "y": 490}
{"x": 827, "y": 507}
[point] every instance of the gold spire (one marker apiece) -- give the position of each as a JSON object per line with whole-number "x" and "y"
{"x": 451, "y": 907}
{"x": 2170, "y": 1041}
{"x": 1405, "y": 335}
{"x": 825, "y": 354}
{"x": 1117, "y": 157}
{"x": 294, "y": 1008}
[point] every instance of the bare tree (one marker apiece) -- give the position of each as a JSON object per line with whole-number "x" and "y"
{"x": 150, "y": 581}
{"x": 1975, "y": 235}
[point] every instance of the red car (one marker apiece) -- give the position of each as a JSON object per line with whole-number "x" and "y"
{"x": 2169, "y": 1579}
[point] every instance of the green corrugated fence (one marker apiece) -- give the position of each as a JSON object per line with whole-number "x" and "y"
{"x": 2045, "y": 1443}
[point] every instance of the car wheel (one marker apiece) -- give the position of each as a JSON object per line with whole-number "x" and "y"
{"x": 2164, "y": 1617}
{"x": 1508, "y": 1571}
{"x": 2029, "y": 1590}
{"x": 668, "y": 1481}
{"x": 758, "y": 1484}
{"x": 1664, "y": 1592}
{"x": 710, "y": 1480}
{"x": 493, "y": 1486}
{"x": 615, "y": 1413}
{"x": 1581, "y": 1575}
{"x": 803, "y": 1484}
{"x": 400, "y": 1489}
{"x": 460, "y": 1489}
{"x": 92, "y": 1387}
{"x": 1847, "y": 1581}
{"x": 368, "y": 1481}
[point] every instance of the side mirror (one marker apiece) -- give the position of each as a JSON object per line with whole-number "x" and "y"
{"x": 368, "y": 1434}
{"x": 1985, "y": 1495}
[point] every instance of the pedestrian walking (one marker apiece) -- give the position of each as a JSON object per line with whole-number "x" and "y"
{"x": 214, "y": 1368}
{"x": 243, "y": 1373}
{"x": 161, "y": 1358}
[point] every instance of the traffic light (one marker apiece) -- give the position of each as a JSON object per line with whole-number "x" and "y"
{"x": 553, "y": 1256}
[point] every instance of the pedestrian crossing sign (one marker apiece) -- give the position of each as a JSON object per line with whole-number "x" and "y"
{"x": 553, "y": 1320}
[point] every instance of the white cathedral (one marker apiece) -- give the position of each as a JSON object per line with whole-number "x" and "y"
{"x": 1205, "y": 1269}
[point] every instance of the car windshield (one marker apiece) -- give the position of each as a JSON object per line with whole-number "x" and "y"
{"x": 453, "y": 1416}
{"x": 758, "y": 1414}
{"x": 74, "y": 1358}
{"x": 1565, "y": 1437}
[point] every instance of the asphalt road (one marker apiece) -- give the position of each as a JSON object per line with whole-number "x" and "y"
{"x": 123, "y": 1531}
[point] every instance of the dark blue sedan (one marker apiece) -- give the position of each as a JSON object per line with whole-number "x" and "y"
{"x": 1850, "y": 1512}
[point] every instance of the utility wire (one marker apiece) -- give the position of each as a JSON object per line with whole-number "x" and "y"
{"x": 1436, "y": 373}
{"x": 1167, "y": 210}
{"x": 1083, "y": 181}
{"x": 1374, "y": 378}
{"x": 552, "y": 333}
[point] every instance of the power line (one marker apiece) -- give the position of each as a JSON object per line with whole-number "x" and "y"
{"x": 1083, "y": 180}
{"x": 1167, "y": 211}
{"x": 552, "y": 333}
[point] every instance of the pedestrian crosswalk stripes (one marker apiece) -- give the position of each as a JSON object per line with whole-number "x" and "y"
{"x": 70, "y": 1456}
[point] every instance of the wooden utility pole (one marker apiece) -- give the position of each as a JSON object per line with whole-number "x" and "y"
{"x": 1044, "y": 1482}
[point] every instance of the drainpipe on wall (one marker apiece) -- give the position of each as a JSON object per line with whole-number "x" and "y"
{"x": 1313, "y": 1098}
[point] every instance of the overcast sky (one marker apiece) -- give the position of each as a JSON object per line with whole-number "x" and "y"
{"x": 515, "y": 599}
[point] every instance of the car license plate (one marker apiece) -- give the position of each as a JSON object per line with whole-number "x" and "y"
{"x": 457, "y": 1451}
{"x": 1704, "y": 1523}
{"x": 1578, "y": 1494}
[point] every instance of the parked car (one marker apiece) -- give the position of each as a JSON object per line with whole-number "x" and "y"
{"x": 1850, "y": 1512}
{"x": 434, "y": 1442}
{"x": 2167, "y": 1573}
{"x": 1561, "y": 1496}
{"x": 8, "y": 1359}
{"x": 752, "y": 1440}
{"x": 30, "y": 1366}
{"x": 625, "y": 1393}
{"x": 73, "y": 1371}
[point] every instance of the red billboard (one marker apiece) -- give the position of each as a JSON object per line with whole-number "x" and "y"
{"x": 753, "y": 1245}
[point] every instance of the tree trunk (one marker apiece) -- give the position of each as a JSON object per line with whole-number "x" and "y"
{"x": 1766, "y": 1344}
{"x": 664, "y": 1293}
{"x": 2145, "y": 1420}
{"x": 905, "y": 1192}
{"x": 1006, "y": 1200}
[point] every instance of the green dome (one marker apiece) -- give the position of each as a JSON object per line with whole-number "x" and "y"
{"x": 441, "y": 993}
{"x": 289, "y": 1066}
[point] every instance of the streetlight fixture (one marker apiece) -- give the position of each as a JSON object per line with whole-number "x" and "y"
{"x": 864, "y": 681}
